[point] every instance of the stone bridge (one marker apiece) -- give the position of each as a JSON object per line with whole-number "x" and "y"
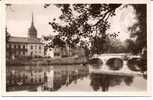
{"x": 119, "y": 62}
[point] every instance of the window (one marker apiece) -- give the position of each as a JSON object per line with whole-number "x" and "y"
{"x": 20, "y": 52}
{"x": 31, "y": 53}
{"x": 39, "y": 47}
{"x": 14, "y": 46}
{"x": 19, "y": 46}
{"x": 35, "y": 46}
{"x": 56, "y": 54}
{"x": 31, "y": 47}
{"x": 17, "y": 52}
{"x": 7, "y": 45}
{"x": 23, "y": 53}
{"x": 23, "y": 46}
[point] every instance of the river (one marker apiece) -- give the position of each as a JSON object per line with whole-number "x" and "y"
{"x": 74, "y": 78}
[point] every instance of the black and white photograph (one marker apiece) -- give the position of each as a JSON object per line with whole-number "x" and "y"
{"x": 76, "y": 47}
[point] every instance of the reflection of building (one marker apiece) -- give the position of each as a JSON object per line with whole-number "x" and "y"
{"x": 50, "y": 78}
{"x": 25, "y": 46}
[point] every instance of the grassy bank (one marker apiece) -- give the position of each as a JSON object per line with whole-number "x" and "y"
{"x": 47, "y": 61}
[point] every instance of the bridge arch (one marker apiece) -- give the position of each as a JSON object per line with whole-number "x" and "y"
{"x": 136, "y": 64}
{"x": 114, "y": 63}
{"x": 96, "y": 62}
{"x": 124, "y": 62}
{"x": 120, "y": 64}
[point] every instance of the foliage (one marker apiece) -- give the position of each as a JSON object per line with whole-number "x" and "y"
{"x": 104, "y": 82}
{"x": 139, "y": 30}
{"x": 86, "y": 25}
{"x": 130, "y": 46}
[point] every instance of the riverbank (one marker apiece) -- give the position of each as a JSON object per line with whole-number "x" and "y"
{"x": 47, "y": 61}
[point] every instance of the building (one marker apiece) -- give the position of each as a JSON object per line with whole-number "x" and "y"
{"x": 60, "y": 52}
{"x": 31, "y": 46}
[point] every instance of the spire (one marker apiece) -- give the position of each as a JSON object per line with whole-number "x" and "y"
{"x": 6, "y": 29}
{"x": 32, "y": 30}
{"x": 32, "y": 23}
{"x": 7, "y": 34}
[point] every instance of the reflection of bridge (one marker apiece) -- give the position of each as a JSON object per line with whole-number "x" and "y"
{"x": 104, "y": 67}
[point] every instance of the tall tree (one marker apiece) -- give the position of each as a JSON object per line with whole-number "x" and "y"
{"x": 139, "y": 30}
{"x": 86, "y": 25}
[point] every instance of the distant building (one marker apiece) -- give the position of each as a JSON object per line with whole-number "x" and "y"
{"x": 49, "y": 53}
{"x": 30, "y": 46}
{"x": 59, "y": 52}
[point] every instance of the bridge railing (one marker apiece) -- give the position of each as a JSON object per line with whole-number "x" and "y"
{"x": 124, "y": 70}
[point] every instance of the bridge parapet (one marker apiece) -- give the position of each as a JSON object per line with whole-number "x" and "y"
{"x": 124, "y": 70}
{"x": 105, "y": 57}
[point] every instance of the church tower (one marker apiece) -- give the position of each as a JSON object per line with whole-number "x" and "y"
{"x": 32, "y": 32}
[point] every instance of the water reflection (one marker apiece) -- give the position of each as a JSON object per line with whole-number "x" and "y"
{"x": 48, "y": 78}
{"x": 55, "y": 78}
{"x": 67, "y": 77}
{"x": 103, "y": 82}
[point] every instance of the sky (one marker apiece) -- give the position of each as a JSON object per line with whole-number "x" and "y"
{"x": 18, "y": 20}
{"x": 125, "y": 18}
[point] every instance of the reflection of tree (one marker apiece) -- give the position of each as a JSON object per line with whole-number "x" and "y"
{"x": 128, "y": 80}
{"x": 67, "y": 77}
{"x": 99, "y": 81}
{"x": 63, "y": 76}
{"x": 103, "y": 82}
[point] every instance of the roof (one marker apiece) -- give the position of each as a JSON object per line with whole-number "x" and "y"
{"x": 25, "y": 40}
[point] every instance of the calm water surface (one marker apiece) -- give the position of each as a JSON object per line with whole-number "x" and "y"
{"x": 68, "y": 78}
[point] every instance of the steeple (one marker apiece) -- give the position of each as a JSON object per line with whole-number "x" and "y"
{"x": 7, "y": 34}
{"x": 32, "y": 32}
{"x": 32, "y": 24}
{"x": 6, "y": 31}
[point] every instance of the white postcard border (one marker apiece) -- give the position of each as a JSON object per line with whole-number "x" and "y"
{"x": 3, "y": 52}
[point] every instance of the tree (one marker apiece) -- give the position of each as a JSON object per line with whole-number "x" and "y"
{"x": 104, "y": 82}
{"x": 139, "y": 30}
{"x": 131, "y": 46}
{"x": 86, "y": 25}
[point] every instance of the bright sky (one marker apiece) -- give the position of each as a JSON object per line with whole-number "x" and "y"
{"x": 124, "y": 18}
{"x": 19, "y": 20}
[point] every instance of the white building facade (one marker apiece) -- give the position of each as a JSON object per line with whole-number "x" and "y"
{"x": 30, "y": 46}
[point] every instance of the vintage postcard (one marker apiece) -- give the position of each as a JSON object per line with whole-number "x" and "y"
{"x": 75, "y": 48}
